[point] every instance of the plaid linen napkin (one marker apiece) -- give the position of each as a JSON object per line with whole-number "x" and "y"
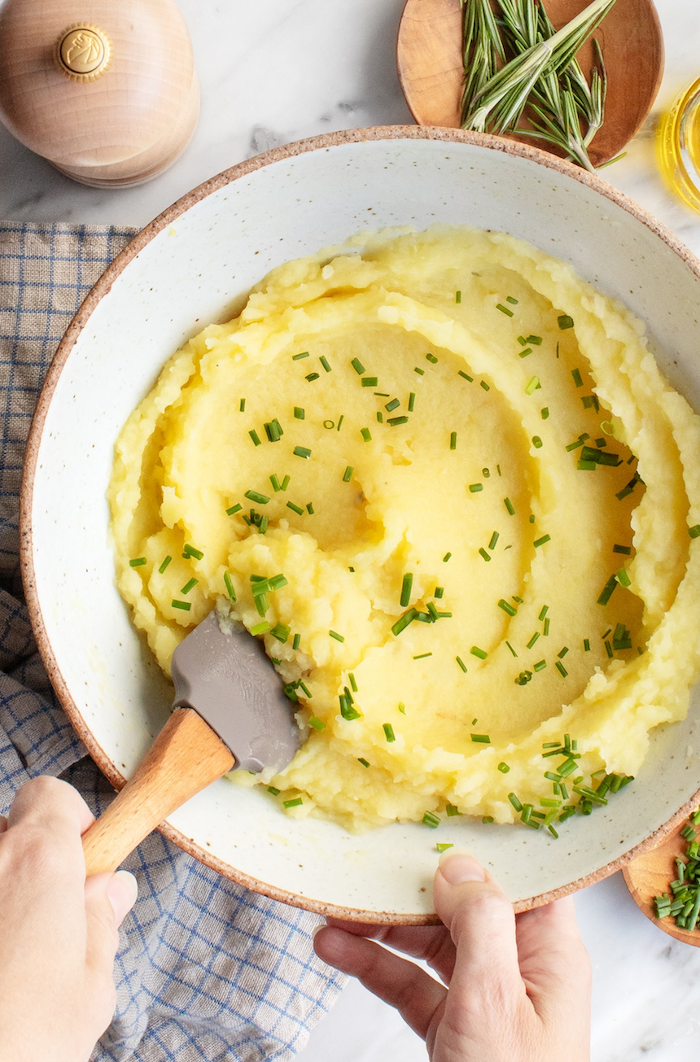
{"x": 207, "y": 971}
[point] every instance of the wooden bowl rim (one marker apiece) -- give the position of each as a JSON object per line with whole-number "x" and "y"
{"x": 318, "y": 143}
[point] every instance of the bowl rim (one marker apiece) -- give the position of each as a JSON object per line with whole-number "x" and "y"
{"x": 101, "y": 288}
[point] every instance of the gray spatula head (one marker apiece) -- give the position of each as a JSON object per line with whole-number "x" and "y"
{"x": 231, "y": 683}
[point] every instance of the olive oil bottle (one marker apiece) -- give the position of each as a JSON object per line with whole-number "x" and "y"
{"x": 678, "y": 147}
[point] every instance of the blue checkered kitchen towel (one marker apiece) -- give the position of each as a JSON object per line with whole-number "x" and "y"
{"x": 207, "y": 970}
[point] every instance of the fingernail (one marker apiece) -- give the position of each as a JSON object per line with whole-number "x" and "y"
{"x": 317, "y": 929}
{"x": 122, "y": 891}
{"x": 457, "y": 867}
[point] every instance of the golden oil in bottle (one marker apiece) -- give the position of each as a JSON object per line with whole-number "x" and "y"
{"x": 678, "y": 147}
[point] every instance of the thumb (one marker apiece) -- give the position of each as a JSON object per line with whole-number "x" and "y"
{"x": 481, "y": 922}
{"x": 108, "y": 899}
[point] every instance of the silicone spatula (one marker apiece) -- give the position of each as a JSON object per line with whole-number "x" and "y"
{"x": 230, "y": 711}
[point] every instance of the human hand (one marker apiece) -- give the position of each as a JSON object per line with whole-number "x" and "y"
{"x": 58, "y": 932}
{"x": 518, "y": 986}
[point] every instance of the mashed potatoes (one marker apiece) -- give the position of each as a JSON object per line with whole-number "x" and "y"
{"x": 482, "y": 498}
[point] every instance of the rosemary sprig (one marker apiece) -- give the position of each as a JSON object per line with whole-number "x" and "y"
{"x": 543, "y": 75}
{"x": 482, "y": 47}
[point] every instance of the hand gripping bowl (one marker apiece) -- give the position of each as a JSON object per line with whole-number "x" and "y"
{"x": 194, "y": 264}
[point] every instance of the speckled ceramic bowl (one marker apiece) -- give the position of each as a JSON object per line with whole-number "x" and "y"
{"x": 194, "y": 264}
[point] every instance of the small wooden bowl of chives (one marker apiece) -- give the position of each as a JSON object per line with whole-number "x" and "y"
{"x": 651, "y": 874}
{"x": 430, "y": 66}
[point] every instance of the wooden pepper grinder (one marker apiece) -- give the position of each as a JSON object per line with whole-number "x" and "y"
{"x": 106, "y": 90}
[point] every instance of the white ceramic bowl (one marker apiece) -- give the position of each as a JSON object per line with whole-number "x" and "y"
{"x": 194, "y": 264}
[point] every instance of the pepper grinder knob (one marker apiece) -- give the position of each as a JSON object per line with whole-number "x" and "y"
{"x": 105, "y": 91}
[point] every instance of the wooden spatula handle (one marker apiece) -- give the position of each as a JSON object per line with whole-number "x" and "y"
{"x": 186, "y": 757}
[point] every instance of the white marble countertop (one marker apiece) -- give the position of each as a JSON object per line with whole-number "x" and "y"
{"x": 280, "y": 70}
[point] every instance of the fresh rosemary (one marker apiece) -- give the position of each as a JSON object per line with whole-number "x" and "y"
{"x": 517, "y": 67}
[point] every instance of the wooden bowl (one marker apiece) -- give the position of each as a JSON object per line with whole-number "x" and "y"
{"x": 195, "y": 263}
{"x": 429, "y": 61}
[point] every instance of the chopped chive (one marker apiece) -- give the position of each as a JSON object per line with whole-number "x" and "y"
{"x": 429, "y": 819}
{"x": 446, "y": 558}
{"x": 401, "y": 707}
{"x": 293, "y": 803}
{"x": 544, "y": 413}
{"x": 464, "y": 376}
{"x": 515, "y": 802}
{"x": 411, "y": 401}
{"x": 347, "y": 474}
{"x": 260, "y": 628}
{"x": 623, "y": 549}
{"x": 503, "y": 767}
{"x": 540, "y": 665}
{"x": 587, "y": 466}
{"x": 338, "y": 637}
{"x": 453, "y": 440}
{"x": 481, "y": 739}
{"x": 261, "y": 499}
{"x": 358, "y": 366}
{"x": 312, "y": 376}
{"x": 421, "y": 372}
{"x": 353, "y": 683}
{"x": 482, "y": 383}
{"x": 395, "y": 421}
{"x": 536, "y": 442}
{"x": 504, "y": 309}
{"x": 285, "y": 482}
{"x": 184, "y": 605}
{"x": 461, "y": 663}
{"x": 476, "y": 651}
{"x": 509, "y": 506}
{"x": 403, "y": 621}
{"x": 342, "y": 418}
{"x": 299, "y": 413}
{"x": 189, "y": 585}
{"x": 365, "y": 433}
{"x": 254, "y": 437}
{"x": 388, "y": 731}
{"x": 421, "y": 656}
{"x": 380, "y": 417}
{"x": 439, "y": 592}
{"x": 586, "y": 645}
{"x": 443, "y": 846}
{"x": 494, "y": 539}
{"x": 537, "y": 340}
{"x": 623, "y": 577}
{"x": 522, "y": 341}
{"x": 543, "y": 612}
{"x": 452, "y": 810}
{"x": 190, "y": 551}
{"x": 694, "y": 531}
{"x": 296, "y": 642}
{"x": 533, "y": 385}
{"x": 511, "y": 649}
{"x": 507, "y": 607}
{"x": 295, "y": 508}
{"x": 533, "y": 639}
{"x": 241, "y": 407}
{"x": 562, "y": 653}
{"x": 524, "y": 353}
{"x": 363, "y": 761}
{"x": 576, "y": 373}
{"x": 302, "y": 451}
{"x": 607, "y": 591}
{"x": 369, "y": 381}
{"x": 431, "y": 358}
{"x": 298, "y": 357}
{"x": 484, "y": 554}
{"x": 564, "y": 322}
{"x": 310, "y": 508}
{"x": 280, "y": 631}
{"x": 406, "y": 586}
{"x": 324, "y": 362}
{"x": 317, "y": 723}
{"x": 541, "y": 541}
{"x": 165, "y": 564}
{"x": 560, "y": 668}
{"x": 390, "y": 406}
{"x": 474, "y": 488}
{"x": 275, "y": 486}
{"x": 511, "y": 300}
{"x": 545, "y": 631}
{"x": 275, "y": 792}
{"x": 458, "y": 296}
